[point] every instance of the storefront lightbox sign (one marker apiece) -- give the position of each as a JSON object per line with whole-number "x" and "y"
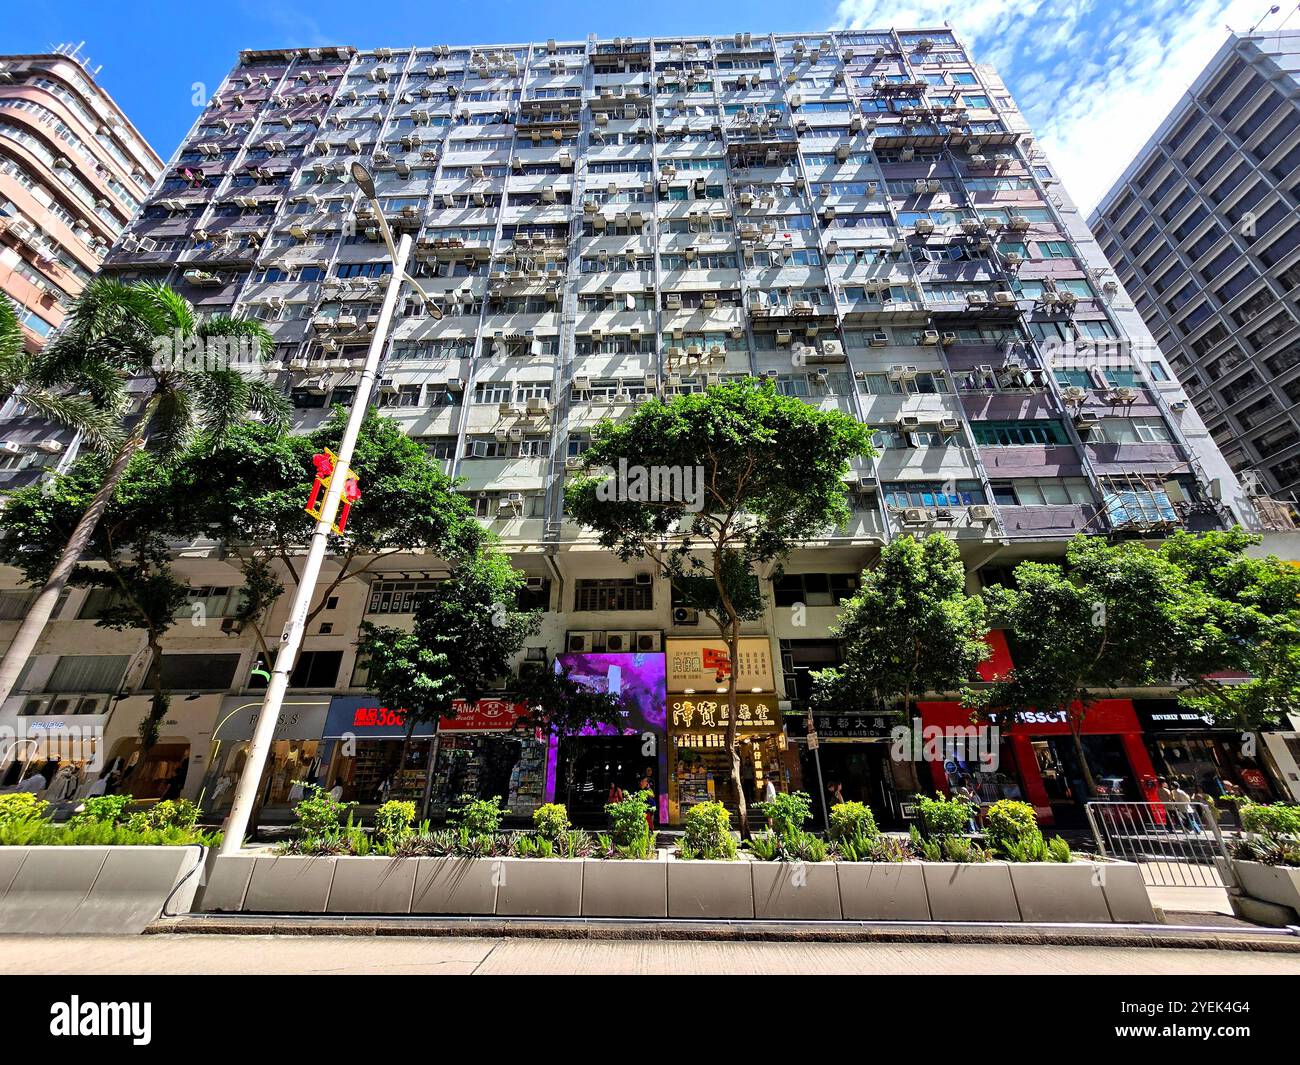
{"x": 486, "y": 715}
{"x": 703, "y": 665}
{"x": 641, "y": 679}
{"x": 300, "y": 719}
{"x": 712, "y": 712}
{"x": 363, "y": 717}
{"x": 1175, "y": 719}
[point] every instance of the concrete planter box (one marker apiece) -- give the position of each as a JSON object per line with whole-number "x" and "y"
{"x": 1277, "y": 884}
{"x": 454, "y": 886}
{"x": 883, "y": 891}
{"x": 807, "y": 891}
{"x": 716, "y": 890}
{"x": 619, "y": 888}
{"x": 1126, "y": 893}
{"x": 1051, "y": 891}
{"x": 94, "y": 890}
{"x": 664, "y": 888}
{"x": 980, "y": 892}
{"x": 289, "y": 883}
{"x": 364, "y": 885}
{"x": 538, "y": 887}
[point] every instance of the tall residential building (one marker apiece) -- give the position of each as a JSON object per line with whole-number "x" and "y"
{"x": 862, "y": 217}
{"x": 1204, "y": 232}
{"x": 73, "y": 172}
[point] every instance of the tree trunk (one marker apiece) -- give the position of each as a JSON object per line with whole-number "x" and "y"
{"x": 1076, "y": 734}
{"x": 733, "y": 745}
{"x": 29, "y": 632}
{"x": 158, "y": 704}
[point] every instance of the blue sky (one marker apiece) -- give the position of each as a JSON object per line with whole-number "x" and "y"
{"x": 1094, "y": 76}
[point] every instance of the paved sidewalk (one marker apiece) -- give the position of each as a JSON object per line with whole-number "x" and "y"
{"x": 238, "y": 955}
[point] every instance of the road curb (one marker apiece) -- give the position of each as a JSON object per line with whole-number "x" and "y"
{"x": 1139, "y": 936}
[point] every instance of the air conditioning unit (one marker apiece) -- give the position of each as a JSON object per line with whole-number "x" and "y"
{"x": 930, "y": 336}
{"x": 649, "y": 642}
{"x": 1074, "y": 393}
{"x": 908, "y": 423}
{"x": 879, "y": 340}
{"x": 684, "y": 615}
{"x": 982, "y": 512}
{"x": 618, "y": 642}
{"x": 915, "y": 516}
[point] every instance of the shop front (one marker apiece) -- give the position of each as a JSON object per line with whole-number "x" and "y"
{"x": 1037, "y": 761}
{"x": 852, "y": 761}
{"x": 363, "y": 747}
{"x": 481, "y": 753}
{"x": 583, "y": 770}
{"x": 294, "y": 760}
{"x": 699, "y": 764}
{"x": 1190, "y": 749}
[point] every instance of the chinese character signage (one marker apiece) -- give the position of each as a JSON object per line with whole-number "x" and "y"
{"x": 704, "y": 666}
{"x": 710, "y": 712}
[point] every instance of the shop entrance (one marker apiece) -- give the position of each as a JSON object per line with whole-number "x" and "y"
{"x": 1063, "y": 780}
{"x": 587, "y": 767}
{"x": 864, "y": 774}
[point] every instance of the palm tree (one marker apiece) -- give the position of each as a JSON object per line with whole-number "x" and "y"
{"x": 98, "y": 427}
{"x": 146, "y": 333}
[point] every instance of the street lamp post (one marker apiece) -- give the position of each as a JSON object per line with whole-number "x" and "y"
{"x": 246, "y": 790}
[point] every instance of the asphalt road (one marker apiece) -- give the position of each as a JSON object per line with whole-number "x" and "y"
{"x": 231, "y": 955}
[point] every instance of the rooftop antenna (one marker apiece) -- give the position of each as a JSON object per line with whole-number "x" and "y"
{"x": 73, "y": 51}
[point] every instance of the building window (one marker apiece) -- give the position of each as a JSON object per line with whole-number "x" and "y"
{"x": 615, "y": 593}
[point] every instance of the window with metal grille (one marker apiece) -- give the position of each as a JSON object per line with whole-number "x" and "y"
{"x": 615, "y": 593}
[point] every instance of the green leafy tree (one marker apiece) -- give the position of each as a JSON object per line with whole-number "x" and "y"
{"x": 128, "y": 554}
{"x": 909, "y": 629}
{"x": 1242, "y": 614}
{"x": 260, "y": 479}
{"x": 20, "y": 371}
{"x": 1111, "y": 617}
{"x": 741, "y": 474}
{"x": 145, "y": 332}
{"x": 462, "y": 639}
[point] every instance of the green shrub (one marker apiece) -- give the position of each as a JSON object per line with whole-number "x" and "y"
{"x": 479, "y": 817}
{"x": 1008, "y": 822}
{"x": 1059, "y": 851}
{"x": 1267, "y": 848}
{"x": 963, "y": 850}
{"x": 629, "y": 829}
{"x": 320, "y": 814}
{"x": 551, "y": 821}
{"x": 1277, "y": 819}
{"x": 110, "y": 809}
{"x": 708, "y": 832}
{"x": 393, "y": 820}
{"x": 849, "y": 819}
{"x": 765, "y": 846}
{"x": 1030, "y": 847}
{"x": 21, "y": 807}
{"x": 941, "y": 817}
{"x": 170, "y": 813}
{"x": 789, "y": 811}
{"x": 576, "y": 844}
{"x": 877, "y": 848}
{"x": 802, "y": 846}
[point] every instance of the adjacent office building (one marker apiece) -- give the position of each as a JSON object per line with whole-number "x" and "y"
{"x": 73, "y": 172}
{"x": 864, "y": 218}
{"x": 1203, "y": 230}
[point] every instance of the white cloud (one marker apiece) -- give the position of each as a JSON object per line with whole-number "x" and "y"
{"x": 1095, "y": 78}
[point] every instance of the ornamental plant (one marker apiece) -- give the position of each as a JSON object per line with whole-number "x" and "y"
{"x": 108, "y": 809}
{"x": 1277, "y": 819}
{"x": 708, "y": 833}
{"x": 170, "y": 813}
{"x": 788, "y": 812}
{"x": 629, "y": 826}
{"x": 479, "y": 817}
{"x": 20, "y": 807}
{"x": 1008, "y": 821}
{"x": 393, "y": 821}
{"x": 941, "y": 817}
{"x": 551, "y": 821}
{"x": 852, "y": 819}
{"x": 320, "y": 815}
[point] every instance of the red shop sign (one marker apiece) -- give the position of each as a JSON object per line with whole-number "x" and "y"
{"x": 485, "y": 715}
{"x": 1105, "y": 716}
